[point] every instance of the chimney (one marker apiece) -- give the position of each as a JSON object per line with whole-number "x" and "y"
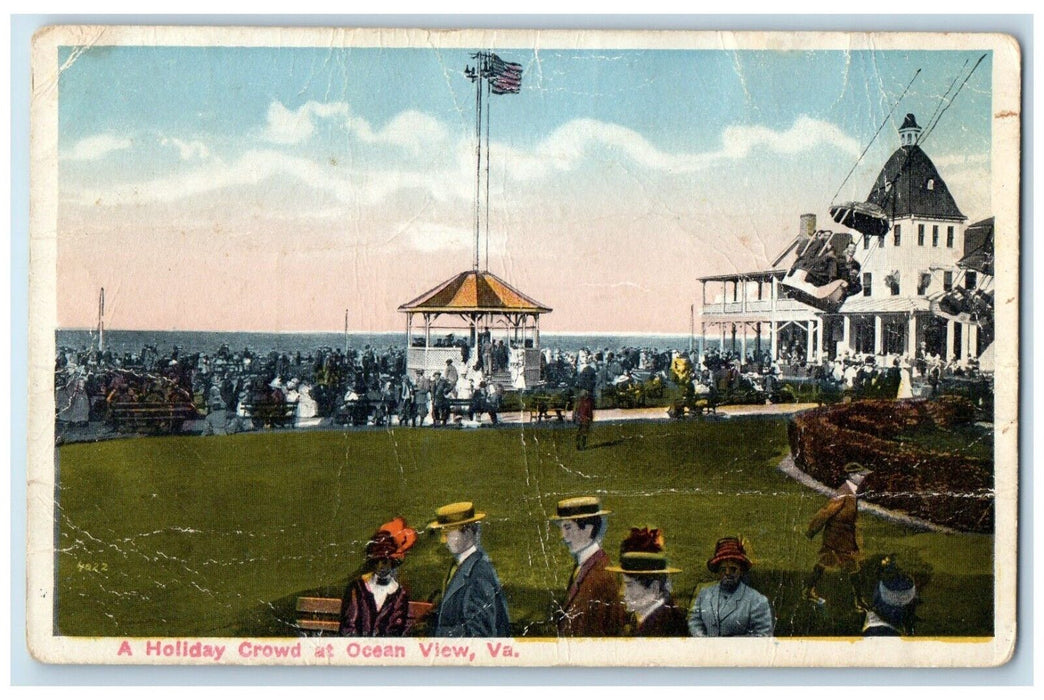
{"x": 808, "y": 224}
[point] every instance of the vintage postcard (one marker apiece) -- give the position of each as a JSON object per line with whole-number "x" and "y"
{"x": 523, "y": 348}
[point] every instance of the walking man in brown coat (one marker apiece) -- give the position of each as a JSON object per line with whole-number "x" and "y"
{"x": 840, "y": 549}
{"x": 592, "y": 606}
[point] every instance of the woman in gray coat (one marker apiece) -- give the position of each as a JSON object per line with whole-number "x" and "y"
{"x": 730, "y": 608}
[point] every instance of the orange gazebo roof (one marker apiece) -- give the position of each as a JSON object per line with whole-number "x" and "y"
{"x": 474, "y": 292}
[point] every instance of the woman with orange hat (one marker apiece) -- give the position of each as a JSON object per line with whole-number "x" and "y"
{"x": 375, "y": 604}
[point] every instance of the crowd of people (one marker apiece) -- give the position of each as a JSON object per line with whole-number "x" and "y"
{"x": 232, "y": 389}
{"x": 238, "y": 390}
{"x": 632, "y": 598}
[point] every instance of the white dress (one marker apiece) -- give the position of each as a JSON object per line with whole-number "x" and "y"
{"x": 307, "y": 408}
{"x": 905, "y": 385}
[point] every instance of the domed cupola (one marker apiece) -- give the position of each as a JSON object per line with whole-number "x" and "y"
{"x": 909, "y": 184}
{"x": 909, "y": 132}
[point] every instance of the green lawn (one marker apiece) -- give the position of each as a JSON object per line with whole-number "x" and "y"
{"x": 217, "y": 536}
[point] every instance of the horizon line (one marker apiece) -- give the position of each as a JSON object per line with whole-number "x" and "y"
{"x": 339, "y": 332}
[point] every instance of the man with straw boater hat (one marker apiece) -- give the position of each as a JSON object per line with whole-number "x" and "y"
{"x": 840, "y": 549}
{"x": 647, "y": 590}
{"x": 730, "y": 608}
{"x": 472, "y": 602}
{"x": 592, "y": 606}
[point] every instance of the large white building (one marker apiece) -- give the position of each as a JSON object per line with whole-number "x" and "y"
{"x": 916, "y": 261}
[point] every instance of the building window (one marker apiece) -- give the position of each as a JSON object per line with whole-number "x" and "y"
{"x": 931, "y": 184}
{"x": 867, "y": 279}
{"x": 935, "y": 236}
{"x": 920, "y": 234}
{"x": 969, "y": 280}
{"x": 896, "y": 235}
{"x": 866, "y": 241}
{"x": 947, "y": 281}
{"x": 892, "y": 282}
{"x": 923, "y": 282}
{"x": 949, "y": 236}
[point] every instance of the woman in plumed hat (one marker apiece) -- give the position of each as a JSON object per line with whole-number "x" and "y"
{"x": 647, "y": 588}
{"x": 730, "y": 608}
{"x": 375, "y": 604}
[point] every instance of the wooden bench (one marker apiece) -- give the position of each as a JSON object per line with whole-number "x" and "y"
{"x": 277, "y": 415}
{"x": 697, "y": 405}
{"x": 130, "y": 416}
{"x": 322, "y": 616}
{"x": 540, "y": 407}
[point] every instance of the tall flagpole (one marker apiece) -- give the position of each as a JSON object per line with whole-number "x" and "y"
{"x": 478, "y": 152}
{"x": 489, "y": 103}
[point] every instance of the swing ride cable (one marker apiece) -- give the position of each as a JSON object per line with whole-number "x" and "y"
{"x": 931, "y": 120}
{"x": 943, "y": 111}
{"x": 874, "y": 138}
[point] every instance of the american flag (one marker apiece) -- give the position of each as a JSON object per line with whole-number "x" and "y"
{"x": 504, "y": 77}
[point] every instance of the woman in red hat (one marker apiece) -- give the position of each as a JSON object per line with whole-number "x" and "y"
{"x": 375, "y": 604}
{"x": 730, "y": 608}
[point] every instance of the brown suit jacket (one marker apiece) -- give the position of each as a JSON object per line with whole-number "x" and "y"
{"x": 592, "y": 606}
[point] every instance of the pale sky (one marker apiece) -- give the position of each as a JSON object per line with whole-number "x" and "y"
{"x": 271, "y": 189}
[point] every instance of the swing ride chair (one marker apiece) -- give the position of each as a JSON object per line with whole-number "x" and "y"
{"x": 820, "y": 277}
{"x": 971, "y": 303}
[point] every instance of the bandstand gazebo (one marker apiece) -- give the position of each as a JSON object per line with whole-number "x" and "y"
{"x": 455, "y": 317}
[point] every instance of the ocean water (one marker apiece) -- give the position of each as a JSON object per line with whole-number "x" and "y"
{"x": 122, "y": 341}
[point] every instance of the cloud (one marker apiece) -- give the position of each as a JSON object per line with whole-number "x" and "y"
{"x": 411, "y": 130}
{"x": 188, "y": 150}
{"x": 252, "y": 168}
{"x": 447, "y": 171}
{"x": 577, "y": 140}
{"x": 97, "y": 147}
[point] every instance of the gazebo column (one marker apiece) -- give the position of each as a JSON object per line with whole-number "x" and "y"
{"x": 878, "y": 334}
{"x": 743, "y": 336}
{"x": 951, "y": 351}
{"x": 774, "y": 340}
{"x": 722, "y": 326}
{"x": 973, "y": 339}
{"x": 846, "y": 333}
{"x": 809, "y": 340}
